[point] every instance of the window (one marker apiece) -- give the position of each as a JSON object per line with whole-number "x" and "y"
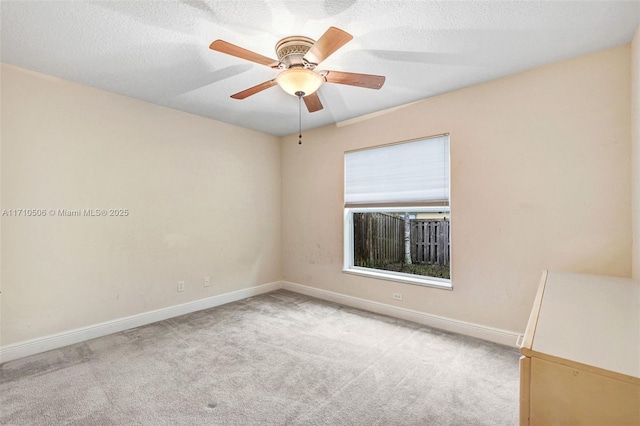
{"x": 397, "y": 215}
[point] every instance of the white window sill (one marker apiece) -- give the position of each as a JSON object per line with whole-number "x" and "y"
{"x": 400, "y": 277}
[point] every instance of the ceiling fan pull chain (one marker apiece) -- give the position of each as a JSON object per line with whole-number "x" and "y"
{"x": 299, "y": 94}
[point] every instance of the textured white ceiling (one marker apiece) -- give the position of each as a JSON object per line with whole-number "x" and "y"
{"x": 158, "y": 51}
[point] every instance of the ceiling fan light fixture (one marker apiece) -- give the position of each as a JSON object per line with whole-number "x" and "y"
{"x": 296, "y": 80}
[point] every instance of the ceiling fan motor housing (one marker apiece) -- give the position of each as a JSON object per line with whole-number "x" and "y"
{"x": 291, "y": 50}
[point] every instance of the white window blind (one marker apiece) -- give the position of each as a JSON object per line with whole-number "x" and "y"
{"x": 407, "y": 173}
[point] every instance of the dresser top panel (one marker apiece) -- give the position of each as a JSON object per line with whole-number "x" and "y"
{"x": 591, "y": 319}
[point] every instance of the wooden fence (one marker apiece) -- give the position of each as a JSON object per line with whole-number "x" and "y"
{"x": 379, "y": 240}
{"x": 430, "y": 241}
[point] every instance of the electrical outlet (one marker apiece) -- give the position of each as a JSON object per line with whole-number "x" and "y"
{"x": 207, "y": 281}
{"x": 397, "y": 296}
{"x": 180, "y": 285}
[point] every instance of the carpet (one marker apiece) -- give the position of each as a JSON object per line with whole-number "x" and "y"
{"x": 280, "y": 358}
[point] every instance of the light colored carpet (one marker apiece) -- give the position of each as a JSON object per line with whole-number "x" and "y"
{"x": 276, "y": 359}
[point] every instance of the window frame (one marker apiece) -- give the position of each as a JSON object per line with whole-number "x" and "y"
{"x": 348, "y": 264}
{"x": 352, "y": 206}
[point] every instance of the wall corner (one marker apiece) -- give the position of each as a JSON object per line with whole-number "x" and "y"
{"x": 635, "y": 153}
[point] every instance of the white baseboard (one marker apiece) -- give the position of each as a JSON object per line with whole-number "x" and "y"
{"x": 496, "y": 335}
{"x": 55, "y": 341}
{"x": 59, "y": 340}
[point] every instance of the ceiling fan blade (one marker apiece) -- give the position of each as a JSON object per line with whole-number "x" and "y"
{"x": 332, "y": 40}
{"x": 239, "y": 52}
{"x": 353, "y": 79}
{"x": 312, "y": 102}
{"x": 255, "y": 89}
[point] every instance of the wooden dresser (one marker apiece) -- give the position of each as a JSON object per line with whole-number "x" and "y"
{"x": 581, "y": 352}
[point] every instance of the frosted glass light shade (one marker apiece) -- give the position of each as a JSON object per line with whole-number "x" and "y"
{"x": 299, "y": 80}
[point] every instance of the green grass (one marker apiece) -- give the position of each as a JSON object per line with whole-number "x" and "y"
{"x": 437, "y": 271}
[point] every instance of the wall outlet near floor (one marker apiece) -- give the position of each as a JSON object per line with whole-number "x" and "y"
{"x": 180, "y": 285}
{"x": 397, "y": 296}
{"x": 207, "y": 281}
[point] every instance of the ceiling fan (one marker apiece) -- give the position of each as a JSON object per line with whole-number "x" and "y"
{"x": 298, "y": 57}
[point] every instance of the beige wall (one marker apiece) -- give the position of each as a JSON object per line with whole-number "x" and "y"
{"x": 203, "y": 197}
{"x": 635, "y": 122}
{"x": 540, "y": 180}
